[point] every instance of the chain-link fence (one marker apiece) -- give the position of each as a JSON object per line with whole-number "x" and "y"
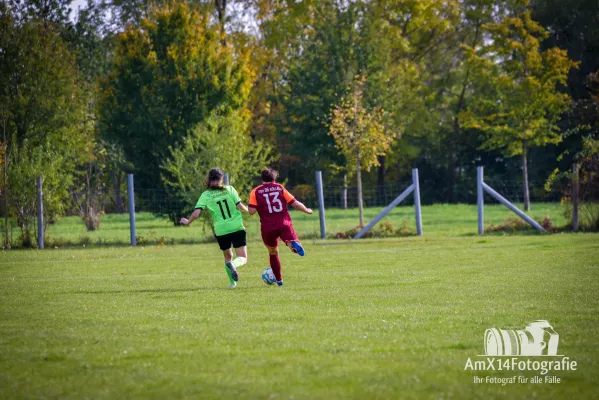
{"x": 342, "y": 197}
{"x": 156, "y": 212}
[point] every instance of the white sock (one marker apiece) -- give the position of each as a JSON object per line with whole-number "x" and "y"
{"x": 239, "y": 261}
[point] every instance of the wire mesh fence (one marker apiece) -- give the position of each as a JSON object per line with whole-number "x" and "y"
{"x": 339, "y": 196}
{"x": 157, "y": 211}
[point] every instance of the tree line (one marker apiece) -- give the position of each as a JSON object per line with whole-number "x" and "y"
{"x": 364, "y": 90}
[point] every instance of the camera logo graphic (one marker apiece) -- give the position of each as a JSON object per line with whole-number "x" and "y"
{"x": 537, "y": 339}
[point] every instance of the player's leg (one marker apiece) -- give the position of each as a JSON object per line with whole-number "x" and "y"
{"x": 275, "y": 264}
{"x": 225, "y": 242}
{"x": 228, "y": 255}
{"x": 271, "y": 240}
{"x": 239, "y": 243}
{"x": 290, "y": 238}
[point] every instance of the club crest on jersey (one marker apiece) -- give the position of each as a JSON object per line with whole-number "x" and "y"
{"x": 270, "y": 189}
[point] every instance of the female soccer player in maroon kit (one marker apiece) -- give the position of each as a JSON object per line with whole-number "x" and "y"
{"x": 268, "y": 200}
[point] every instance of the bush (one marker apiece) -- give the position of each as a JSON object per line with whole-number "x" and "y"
{"x": 303, "y": 192}
{"x": 382, "y": 230}
{"x": 516, "y": 224}
{"x": 57, "y": 242}
{"x": 588, "y": 183}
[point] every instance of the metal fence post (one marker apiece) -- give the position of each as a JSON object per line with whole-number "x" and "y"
{"x": 40, "y": 213}
{"x": 319, "y": 189}
{"x": 575, "y": 194}
{"x": 417, "y": 201}
{"x": 512, "y": 207}
{"x": 480, "y": 199}
{"x": 131, "y": 208}
{"x": 226, "y": 179}
{"x": 385, "y": 211}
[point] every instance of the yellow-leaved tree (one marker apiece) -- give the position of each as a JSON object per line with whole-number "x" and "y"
{"x": 519, "y": 103}
{"x": 359, "y": 133}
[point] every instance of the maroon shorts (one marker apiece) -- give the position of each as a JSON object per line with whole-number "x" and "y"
{"x": 286, "y": 233}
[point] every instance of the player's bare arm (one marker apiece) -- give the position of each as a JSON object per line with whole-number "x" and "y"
{"x": 252, "y": 210}
{"x": 301, "y": 207}
{"x": 242, "y": 207}
{"x": 193, "y": 216}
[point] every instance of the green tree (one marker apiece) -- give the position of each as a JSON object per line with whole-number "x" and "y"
{"x": 445, "y": 150}
{"x": 168, "y": 76}
{"x": 359, "y": 135}
{"x": 223, "y": 141}
{"x": 26, "y": 163}
{"x": 317, "y": 49}
{"x": 408, "y": 44}
{"x": 88, "y": 188}
{"x": 573, "y": 26}
{"x": 42, "y": 108}
{"x": 50, "y": 12}
{"x": 519, "y": 103}
{"x": 92, "y": 43}
{"x": 311, "y": 53}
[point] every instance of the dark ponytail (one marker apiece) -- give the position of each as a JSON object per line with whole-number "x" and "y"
{"x": 269, "y": 175}
{"x": 213, "y": 181}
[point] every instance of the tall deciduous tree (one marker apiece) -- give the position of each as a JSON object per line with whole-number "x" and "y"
{"x": 359, "y": 134}
{"x": 42, "y": 110}
{"x": 326, "y": 54}
{"x": 168, "y": 76}
{"x": 407, "y": 45}
{"x": 573, "y": 26}
{"x": 221, "y": 141}
{"x": 519, "y": 102}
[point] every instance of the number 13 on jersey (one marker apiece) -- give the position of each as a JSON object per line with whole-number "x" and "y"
{"x": 271, "y": 198}
{"x": 273, "y": 202}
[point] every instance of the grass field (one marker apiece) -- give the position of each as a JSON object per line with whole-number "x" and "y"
{"x": 384, "y": 318}
{"x": 437, "y": 220}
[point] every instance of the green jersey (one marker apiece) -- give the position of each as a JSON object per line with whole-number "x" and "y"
{"x": 222, "y": 205}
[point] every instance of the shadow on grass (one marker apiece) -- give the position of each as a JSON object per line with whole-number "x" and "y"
{"x": 532, "y": 232}
{"x": 138, "y": 291}
{"x": 523, "y": 232}
{"x": 365, "y": 241}
{"x": 223, "y": 288}
{"x": 84, "y": 242}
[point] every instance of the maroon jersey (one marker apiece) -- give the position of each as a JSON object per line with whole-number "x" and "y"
{"x": 271, "y": 200}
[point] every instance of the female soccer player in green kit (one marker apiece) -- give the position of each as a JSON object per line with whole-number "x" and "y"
{"x": 224, "y": 204}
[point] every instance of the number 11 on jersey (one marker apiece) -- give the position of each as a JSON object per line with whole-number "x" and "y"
{"x": 222, "y": 211}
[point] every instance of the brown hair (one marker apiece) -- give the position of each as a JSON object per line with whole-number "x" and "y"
{"x": 269, "y": 175}
{"x": 213, "y": 180}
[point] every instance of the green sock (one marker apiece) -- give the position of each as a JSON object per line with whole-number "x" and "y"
{"x": 231, "y": 281}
